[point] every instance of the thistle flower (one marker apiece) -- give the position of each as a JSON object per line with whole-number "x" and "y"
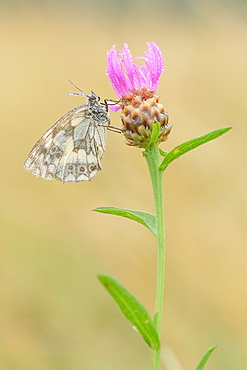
{"x": 136, "y": 86}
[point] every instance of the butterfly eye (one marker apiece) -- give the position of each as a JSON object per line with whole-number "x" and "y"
{"x": 93, "y": 167}
{"x": 71, "y": 167}
{"x": 53, "y": 149}
{"x": 81, "y": 169}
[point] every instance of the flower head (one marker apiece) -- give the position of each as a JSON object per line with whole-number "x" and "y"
{"x": 136, "y": 86}
{"x": 125, "y": 75}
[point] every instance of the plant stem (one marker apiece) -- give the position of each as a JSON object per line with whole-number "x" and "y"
{"x": 152, "y": 157}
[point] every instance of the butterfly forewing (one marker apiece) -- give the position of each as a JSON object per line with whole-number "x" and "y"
{"x": 72, "y": 149}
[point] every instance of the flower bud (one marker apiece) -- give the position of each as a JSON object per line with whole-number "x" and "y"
{"x": 140, "y": 109}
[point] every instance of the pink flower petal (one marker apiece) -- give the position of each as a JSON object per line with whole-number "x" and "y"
{"x": 125, "y": 75}
{"x": 115, "y": 72}
{"x": 114, "y": 108}
{"x": 129, "y": 65}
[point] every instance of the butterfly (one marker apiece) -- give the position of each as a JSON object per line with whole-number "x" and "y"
{"x": 71, "y": 150}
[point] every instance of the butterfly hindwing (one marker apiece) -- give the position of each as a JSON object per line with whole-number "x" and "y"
{"x": 71, "y": 150}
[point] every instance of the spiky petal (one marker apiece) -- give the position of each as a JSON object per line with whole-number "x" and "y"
{"x": 125, "y": 75}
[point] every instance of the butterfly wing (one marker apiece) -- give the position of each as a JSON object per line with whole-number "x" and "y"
{"x": 71, "y": 150}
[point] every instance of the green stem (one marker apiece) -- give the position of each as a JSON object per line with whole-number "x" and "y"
{"x": 152, "y": 157}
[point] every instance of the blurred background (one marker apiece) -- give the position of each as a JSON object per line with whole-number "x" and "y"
{"x": 54, "y": 313}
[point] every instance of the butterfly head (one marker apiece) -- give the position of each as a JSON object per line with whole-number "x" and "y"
{"x": 93, "y": 99}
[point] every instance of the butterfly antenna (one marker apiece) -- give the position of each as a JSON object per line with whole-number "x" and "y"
{"x": 82, "y": 92}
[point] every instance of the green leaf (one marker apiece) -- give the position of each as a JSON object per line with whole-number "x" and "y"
{"x": 132, "y": 310}
{"x": 189, "y": 145}
{"x": 164, "y": 154}
{"x": 155, "y": 133}
{"x": 144, "y": 218}
{"x": 205, "y": 358}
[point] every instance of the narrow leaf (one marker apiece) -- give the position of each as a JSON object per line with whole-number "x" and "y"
{"x": 155, "y": 133}
{"x": 205, "y": 358}
{"x": 189, "y": 145}
{"x": 144, "y": 218}
{"x": 164, "y": 154}
{"x": 132, "y": 310}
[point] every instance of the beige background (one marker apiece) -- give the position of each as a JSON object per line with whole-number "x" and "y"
{"x": 54, "y": 314}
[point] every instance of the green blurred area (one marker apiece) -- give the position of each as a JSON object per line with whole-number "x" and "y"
{"x": 54, "y": 314}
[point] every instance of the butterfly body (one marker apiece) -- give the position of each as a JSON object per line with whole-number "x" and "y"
{"x": 72, "y": 148}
